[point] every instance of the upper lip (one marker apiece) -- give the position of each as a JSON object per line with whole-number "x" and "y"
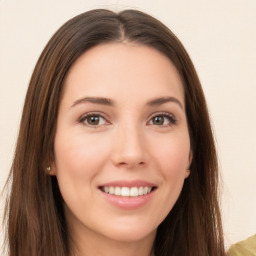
{"x": 129, "y": 184}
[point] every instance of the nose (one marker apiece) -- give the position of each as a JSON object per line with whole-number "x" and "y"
{"x": 130, "y": 148}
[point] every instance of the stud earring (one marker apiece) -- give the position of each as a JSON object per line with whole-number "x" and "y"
{"x": 48, "y": 168}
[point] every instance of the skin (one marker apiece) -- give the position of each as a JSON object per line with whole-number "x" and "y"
{"x": 126, "y": 144}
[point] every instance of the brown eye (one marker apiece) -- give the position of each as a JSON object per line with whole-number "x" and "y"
{"x": 162, "y": 120}
{"x": 93, "y": 120}
{"x": 158, "y": 120}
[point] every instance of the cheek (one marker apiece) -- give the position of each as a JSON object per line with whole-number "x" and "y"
{"x": 172, "y": 154}
{"x": 78, "y": 160}
{"x": 78, "y": 154}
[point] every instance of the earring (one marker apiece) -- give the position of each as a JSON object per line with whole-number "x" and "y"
{"x": 48, "y": 168}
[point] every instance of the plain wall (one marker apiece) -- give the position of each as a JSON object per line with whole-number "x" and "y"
{"x": 220, "y": 37}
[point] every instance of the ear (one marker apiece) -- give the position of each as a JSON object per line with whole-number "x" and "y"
{"x": 187, "y": 173}
{"x": 51, "y": 169}
{"x": 190, "y": 158}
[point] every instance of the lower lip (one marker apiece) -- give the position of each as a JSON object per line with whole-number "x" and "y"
{"x": 128, "y": 203}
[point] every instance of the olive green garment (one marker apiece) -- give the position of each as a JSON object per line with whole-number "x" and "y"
{"x": 244, "y": 248}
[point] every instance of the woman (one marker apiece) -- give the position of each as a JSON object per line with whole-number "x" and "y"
{"x": 115, "y": 154}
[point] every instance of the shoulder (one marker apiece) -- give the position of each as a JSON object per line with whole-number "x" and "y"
{"x": 244, "y": 248}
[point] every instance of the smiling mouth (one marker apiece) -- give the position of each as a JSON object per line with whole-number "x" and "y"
{"x": 127, "y": 191}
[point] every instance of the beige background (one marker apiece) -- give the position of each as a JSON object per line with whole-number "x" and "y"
{"x": 220, "y": 37}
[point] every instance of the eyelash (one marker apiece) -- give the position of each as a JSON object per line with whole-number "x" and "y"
{"x": 170, "y": 117}
{"x": 93, "y": 114}
{"x": 167, "y": 115}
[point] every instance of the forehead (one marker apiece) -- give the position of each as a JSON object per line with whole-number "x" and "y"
{"x": 123, "y": 69}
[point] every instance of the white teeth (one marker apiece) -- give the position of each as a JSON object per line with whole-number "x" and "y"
{"x": 125, "y": 191}
{"x": 141, "y": 191}
{"x": 134, "y": 191}
{"x": 117, "y": 191}
{"x": 111, "y": 190}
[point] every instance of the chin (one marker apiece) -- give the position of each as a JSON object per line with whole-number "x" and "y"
{"x": 135, "y": 234}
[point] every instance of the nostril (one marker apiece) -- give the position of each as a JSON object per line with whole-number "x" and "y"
{"x": 122, "y": 163}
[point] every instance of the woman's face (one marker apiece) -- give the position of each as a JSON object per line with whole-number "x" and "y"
{"x": 122, "y": 147}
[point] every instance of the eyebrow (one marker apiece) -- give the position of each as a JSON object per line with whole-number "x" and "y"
{"x": 95, "y": 100}
{"x": 109, "y": 102}
{"x": 162, "y": 100}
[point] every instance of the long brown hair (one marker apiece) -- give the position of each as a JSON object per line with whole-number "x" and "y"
{"x": 36, "y": 224}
